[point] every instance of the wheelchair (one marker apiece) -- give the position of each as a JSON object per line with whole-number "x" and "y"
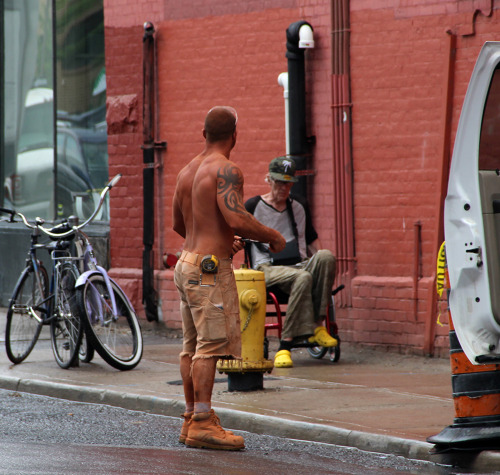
{"x": 276, "y": 300}
{"x": 276, "y": 311}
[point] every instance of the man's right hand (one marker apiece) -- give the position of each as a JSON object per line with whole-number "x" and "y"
{"x": 278, "y": 243}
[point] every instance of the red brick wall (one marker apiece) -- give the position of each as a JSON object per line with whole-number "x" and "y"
{"x": 234, "y": 58}
{"x": 211, "y": 52}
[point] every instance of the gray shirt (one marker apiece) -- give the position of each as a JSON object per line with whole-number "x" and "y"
{"x": 279, "y": 220}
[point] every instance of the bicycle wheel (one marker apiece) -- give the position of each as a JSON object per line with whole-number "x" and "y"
{"x": 86, "y": 353}
{"x": 117, "y": 338}
{"x": 66, "y": 327}
{"x": 26, "y": 313}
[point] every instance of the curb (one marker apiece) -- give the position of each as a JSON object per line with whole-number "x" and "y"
{"x": 485, "y": 461}
{"x": 233, "y": 419}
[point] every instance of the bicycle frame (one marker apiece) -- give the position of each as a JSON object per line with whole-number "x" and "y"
{"x": 32, "y": 261}
{"x": 84, "y": 250}
{"x": 91, "y": 262}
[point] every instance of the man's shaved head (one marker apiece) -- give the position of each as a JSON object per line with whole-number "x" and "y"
{"x": 220, "y": 123}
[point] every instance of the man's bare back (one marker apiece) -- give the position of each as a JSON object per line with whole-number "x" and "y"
{"x": 208, "y": 209}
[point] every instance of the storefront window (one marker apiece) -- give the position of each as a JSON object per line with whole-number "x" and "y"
{"x": 54, "y": 160}
{"x": 82, "y": 160}
{"x": 28, "y": 112}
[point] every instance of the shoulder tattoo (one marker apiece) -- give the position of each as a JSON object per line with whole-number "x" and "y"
{"x": 229, "y": 185}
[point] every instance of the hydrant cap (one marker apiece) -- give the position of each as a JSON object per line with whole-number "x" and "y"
{"x": 249, "y": 298}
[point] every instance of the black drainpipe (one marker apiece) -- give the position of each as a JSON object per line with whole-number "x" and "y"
{"x": 149, "y": 295}
{"x": 299, "y": 142}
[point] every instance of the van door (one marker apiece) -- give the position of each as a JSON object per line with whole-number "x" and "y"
{"x": 472, "y": 214}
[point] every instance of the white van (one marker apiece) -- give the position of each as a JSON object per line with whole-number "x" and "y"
{"x": 472, "y": 214}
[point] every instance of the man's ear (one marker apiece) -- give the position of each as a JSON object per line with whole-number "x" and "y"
{"x": 204, "y": 132}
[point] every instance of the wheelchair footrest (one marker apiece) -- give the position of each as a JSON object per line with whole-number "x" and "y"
{"x": 304, "y": 343}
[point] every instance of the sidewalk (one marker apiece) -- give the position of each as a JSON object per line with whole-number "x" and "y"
{"x": 371, "y": 400}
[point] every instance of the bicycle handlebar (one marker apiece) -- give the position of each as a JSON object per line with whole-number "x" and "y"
{"x": 104, "y": 192}
{"x": 49, "y": 232}
{"x": 8, "y": 211}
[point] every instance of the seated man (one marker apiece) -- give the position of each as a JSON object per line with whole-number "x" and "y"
{"x": 307, "y": 280}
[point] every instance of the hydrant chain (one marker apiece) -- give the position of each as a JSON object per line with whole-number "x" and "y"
{"x": 250, "y": 312}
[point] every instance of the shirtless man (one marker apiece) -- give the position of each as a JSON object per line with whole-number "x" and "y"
{"x": 208, "y": 212}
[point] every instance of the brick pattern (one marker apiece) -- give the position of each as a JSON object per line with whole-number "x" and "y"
{"x": 214, "y": 52}
{"x": 124, "y": 13}
{"x": 384, "y": 313}
{"x": 124, "y": 117}
{"x": 241, "y": 65}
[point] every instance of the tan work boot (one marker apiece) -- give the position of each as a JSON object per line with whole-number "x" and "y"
{"x": 185, "y": 425}
{"x": 204, "y": 431}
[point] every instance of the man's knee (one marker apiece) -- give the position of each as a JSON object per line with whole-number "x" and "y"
{"x": 326, "y": 258}
{"x": 303, "y": 279}
{"x": 326, "y": 255}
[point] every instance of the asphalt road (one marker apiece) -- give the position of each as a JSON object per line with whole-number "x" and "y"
{"x": 42, "y": 435}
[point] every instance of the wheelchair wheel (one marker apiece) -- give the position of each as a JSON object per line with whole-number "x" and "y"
{"x": 335, "y": 353}
{"x": 317, "y": 351}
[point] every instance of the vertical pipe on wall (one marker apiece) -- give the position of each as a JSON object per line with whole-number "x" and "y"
{"x": 283, "y": 82}
{"x": 149, "y": 297}
{"x": 299, "y": 144}
{"x": 448, "y": 88}
{"x": 417, "y": 257}
{"x": 160, "y": 147}
{"x": 296, "y": 90}
{"x": 342, "y": 154}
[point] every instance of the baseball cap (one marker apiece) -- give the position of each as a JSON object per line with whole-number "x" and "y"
{"x": 283, "y": 169}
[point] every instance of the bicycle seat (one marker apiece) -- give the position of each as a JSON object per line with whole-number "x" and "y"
{"x": 59, "y": 245}
{"x": 62, "y": 228}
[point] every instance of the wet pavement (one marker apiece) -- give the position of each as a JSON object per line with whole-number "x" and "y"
{"x": 372, "y": 400}
{"x": 98, "y": 439}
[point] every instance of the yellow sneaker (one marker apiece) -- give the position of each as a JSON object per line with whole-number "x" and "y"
{"x": 283, "y": 359}
{"x": 322, "y": 338}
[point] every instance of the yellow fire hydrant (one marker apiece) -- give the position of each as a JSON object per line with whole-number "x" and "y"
{"x": 247, "y": 374}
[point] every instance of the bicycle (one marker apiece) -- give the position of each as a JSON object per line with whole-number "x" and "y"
{"x": 34, "y": 303}
{"x": 109, "y": 320}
